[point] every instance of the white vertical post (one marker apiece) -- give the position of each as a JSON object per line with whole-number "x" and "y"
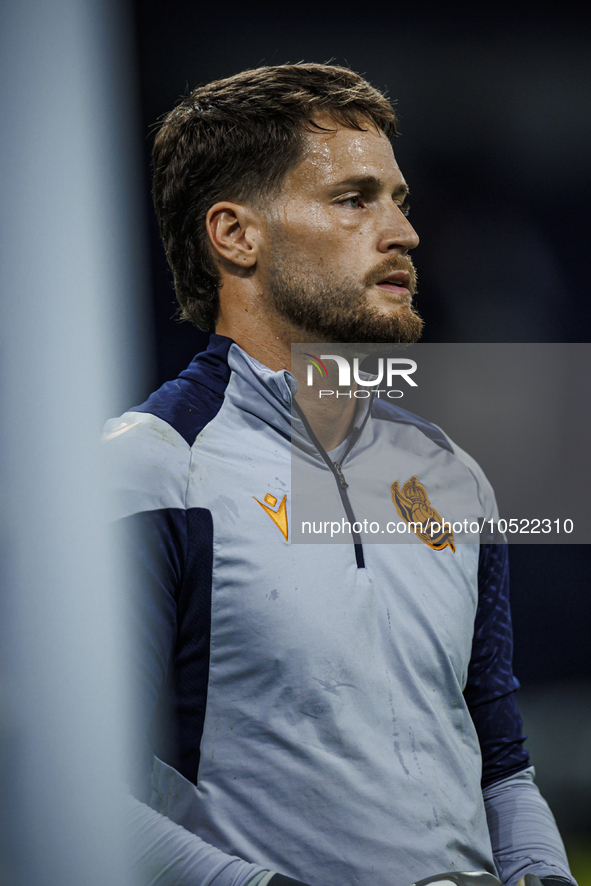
{"x": 68, "y": 268}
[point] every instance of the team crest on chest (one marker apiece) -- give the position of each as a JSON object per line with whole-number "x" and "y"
{"x": 413, "y": 505}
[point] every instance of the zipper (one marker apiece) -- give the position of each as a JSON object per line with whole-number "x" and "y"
{"x": 337, "y": 471}
{"x": 341, "y": 478}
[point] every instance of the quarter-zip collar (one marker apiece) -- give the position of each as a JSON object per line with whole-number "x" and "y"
{"x": 266, "y": 394}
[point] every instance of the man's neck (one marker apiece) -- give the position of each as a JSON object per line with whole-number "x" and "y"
{"x": 332, "y": 418}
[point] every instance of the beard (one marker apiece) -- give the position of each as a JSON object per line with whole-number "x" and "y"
{"x": 338, "y": 309}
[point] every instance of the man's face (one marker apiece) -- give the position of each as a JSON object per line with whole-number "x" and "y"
{"x": 336, "y": 265}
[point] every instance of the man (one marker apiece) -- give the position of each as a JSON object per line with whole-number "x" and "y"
{"x": 338, "y": 713}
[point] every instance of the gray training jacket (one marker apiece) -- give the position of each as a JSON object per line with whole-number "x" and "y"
{"x": 335, "y": 710}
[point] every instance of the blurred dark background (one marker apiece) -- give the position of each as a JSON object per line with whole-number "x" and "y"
{"x": 494, "y": 103}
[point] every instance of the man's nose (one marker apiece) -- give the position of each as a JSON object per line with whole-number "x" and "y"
{"x": 397, "y": 233}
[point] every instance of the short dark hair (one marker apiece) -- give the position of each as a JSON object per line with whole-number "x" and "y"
{"x": 235, "y": 139}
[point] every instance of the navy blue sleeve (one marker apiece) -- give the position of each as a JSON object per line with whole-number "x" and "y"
{"x": 491, "y": 685}
{"x": 169, "y": 555}
{"x": 154, "y": 544}
{"x": 169, "y": 558}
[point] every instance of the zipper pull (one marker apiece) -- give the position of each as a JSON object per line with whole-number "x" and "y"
{"x": 342, "y": 481}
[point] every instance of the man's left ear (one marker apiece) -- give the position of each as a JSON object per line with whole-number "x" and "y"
{"x": 232, "y": 232}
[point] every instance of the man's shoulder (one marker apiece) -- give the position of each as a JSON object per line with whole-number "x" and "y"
{"x": 147, "y": 463}
{"x": 188, "y": 403}
{"x": 388, "y": 411}
{"x": 148, "y": 448}
{"x": 440, "y": 440}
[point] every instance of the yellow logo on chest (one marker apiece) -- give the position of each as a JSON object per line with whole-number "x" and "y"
{"x": 279, "y": 516}
{"x": 413, "y": 505}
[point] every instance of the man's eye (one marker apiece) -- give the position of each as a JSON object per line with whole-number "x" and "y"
{"x": 404, "y": 208}
{"x": 354, "y": 201}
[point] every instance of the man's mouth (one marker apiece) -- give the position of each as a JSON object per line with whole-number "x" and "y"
{"x": 396, "y": 281}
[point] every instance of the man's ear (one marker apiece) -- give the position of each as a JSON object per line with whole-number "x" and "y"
{"x": 232, "y": 232}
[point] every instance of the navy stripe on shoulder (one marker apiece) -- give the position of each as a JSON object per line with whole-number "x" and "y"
{"x": 191, "y": 401}
{"x": 389, "y": 412}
